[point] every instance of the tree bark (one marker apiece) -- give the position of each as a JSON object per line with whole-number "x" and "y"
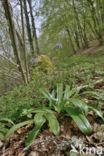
{"x": 78, "y": 23}
{"x": 95, "y": 21}
{"x": 12, "y": 34}
{"x": 33, "y": 27}
{"x": 72, "y": 45}
{"x": 28, "y": 27}
{"x": 23, "y": 36}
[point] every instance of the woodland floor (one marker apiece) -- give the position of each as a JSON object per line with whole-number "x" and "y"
{"x": 86, "y": 69}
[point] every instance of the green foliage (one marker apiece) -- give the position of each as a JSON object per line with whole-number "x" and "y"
{"x": 39, "y": 117}
{"x": 21, "y": 97}
{"x": 80, "y": 119}
{"x": 17, "y": 126}
{"x": 75, "y": 79}
{"x": 76, "y": 72}
{"x": 5, "y": 124}
{"x": 64, "y": 99}
{"x": 72, "y": 23}
{"x": 43, "y": 65}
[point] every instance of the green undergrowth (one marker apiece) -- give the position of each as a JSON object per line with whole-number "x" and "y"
{"x": 76, "y": 71}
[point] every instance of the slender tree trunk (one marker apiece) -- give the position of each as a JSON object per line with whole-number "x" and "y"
{"x": 69, "y": 35}
{"x": 28, "y": 27}
{"x": 95, "y": 21}
{"x": 84, "y": 25}
{"x": 84, "y": 33}
{"x": 12, "y": 33}
{"x": 76, "y": 37}
{"x": 78, "y": 23}
{"x": 23, "y": 36}
{"x": 33, "y": 27}
{"x": 102, "y": 13}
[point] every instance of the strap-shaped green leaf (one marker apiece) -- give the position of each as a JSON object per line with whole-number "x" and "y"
{"x": 17, "y": 126}
{"x": 79, "y": 103}
{"x": 59, "y": 92}
{"x": 6, "y": 120}
{"x": 80, "y": 120}
{"x": 53, "y": 123}
{"x": 97, "y": 111}
{"x": 39, "y": 121}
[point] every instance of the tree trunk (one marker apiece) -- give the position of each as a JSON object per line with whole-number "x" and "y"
{"x": 34, "y": 28}
{"x": 72, "y": 45}
{"x": 12, "y": 33}
{"x": 23, "y": 36}
{"x": 95, "y": 21}
{"x": 80, "y": 34}
{"x": 28, "y": 27}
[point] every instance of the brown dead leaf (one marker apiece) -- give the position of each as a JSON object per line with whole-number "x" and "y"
{"x": 34, "y": 154}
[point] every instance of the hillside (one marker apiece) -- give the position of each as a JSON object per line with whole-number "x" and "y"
{"x": 84, "y": 72}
